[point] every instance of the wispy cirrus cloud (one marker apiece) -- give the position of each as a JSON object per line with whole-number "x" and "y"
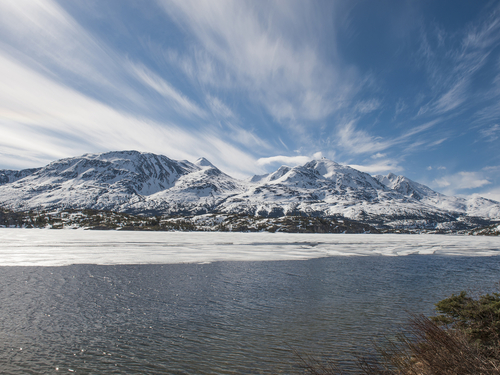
{"x": 367, "y": 106}
{"x": 44, "y": 37}
{"x": 491, "y": 133}
{"x": 454, "y": 97}
{"x": 452, "y": 62}
{"x": 255, "y": 45}
{"x": 439, "y": 168}
{"x": 45, "y": 120}
{"x": 180, "y": 102}
{"x": 218, "y": 108}
{"x": 356, "y": 141}
{"x": 63, "y": 93}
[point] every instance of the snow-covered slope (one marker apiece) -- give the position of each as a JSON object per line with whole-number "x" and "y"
{"x": 473, "y": 206}
{"x": 406, "y": 186}
{"x": 131, "y": 181}
{"x": 7, "y": 176}
{"x": 198, "y": 192}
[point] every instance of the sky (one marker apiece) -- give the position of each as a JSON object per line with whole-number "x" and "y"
{"x": 408, "y": 87}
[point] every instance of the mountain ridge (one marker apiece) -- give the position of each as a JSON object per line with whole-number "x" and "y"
{"x": 471, "y": 206}
{"x": 139, "y": 182}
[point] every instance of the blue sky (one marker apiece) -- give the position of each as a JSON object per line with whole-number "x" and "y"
{"x": 409, "y": 87}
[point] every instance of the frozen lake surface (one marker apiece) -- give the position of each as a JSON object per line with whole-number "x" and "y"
{"x": 42, "y": 247}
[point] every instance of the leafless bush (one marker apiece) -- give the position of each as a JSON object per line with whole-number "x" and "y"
{"x": 425, "y": 348}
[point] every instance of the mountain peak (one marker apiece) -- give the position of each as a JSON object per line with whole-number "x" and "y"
{"x": 202, "y": 162}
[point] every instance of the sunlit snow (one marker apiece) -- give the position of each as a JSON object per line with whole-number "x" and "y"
{"x": 42, "y": 247}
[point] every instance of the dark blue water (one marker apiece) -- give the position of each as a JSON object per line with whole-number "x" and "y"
{"x": 219, "y": 318}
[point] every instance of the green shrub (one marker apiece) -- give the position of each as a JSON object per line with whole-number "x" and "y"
{"x": 478, "y": 318}
{"x": 464, "y": 338}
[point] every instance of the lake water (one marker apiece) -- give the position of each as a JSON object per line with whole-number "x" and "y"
{"x": 122, "y": 302}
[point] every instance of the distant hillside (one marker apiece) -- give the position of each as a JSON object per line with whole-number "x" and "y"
{"x": 107, "y": 220}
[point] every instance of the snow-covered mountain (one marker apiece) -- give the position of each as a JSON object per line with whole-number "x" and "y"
{"x": 473, "y": 206}
{"x": 325, "y": 188}
{"x": 110, "y": 181}
{"x": 135, "y": 182}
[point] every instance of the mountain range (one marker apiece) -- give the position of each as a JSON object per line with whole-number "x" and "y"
{"x": 145, "y": 183}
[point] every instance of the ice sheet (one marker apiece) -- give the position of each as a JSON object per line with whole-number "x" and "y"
{"x": 44, "y": 247}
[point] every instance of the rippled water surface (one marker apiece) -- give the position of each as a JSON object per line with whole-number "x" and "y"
{"x": 224, "y": 317}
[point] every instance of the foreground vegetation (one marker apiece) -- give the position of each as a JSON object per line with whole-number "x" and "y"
{"x": 464, "y": 338}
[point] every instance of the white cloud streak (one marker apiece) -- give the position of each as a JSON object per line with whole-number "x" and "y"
{"x": 491, "y": 133}
{"x": 367, "y": 106}
{"x": 359, "y": 141}
{"x": 182, "y": 103}
{"x": 45, "y": 120}
{"x": 356, "y": 142}
{"x": 452, "y": 98}
{"x": 285, "y": 74}
{"x": 47, "y": 39}
{"x": 219, "y": 109}
{"x": 462, "y": 180}
{"x": 42, "y": 118}
{"x": 451, "y": 70}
